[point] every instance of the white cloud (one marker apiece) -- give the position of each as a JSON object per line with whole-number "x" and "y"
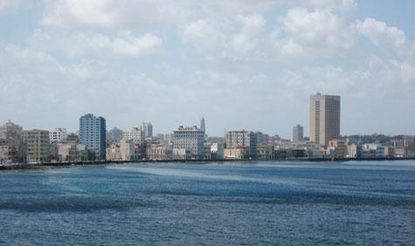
{"x": 250, "y": 41}
{"x": 112, "y": 13}
{"x": 317, "y": 28}
{"x": 124, "y": 13}
{"x": 380, "y": 33}
{"x": 290, "y": 48}
{"x": 96, "y": 44}
{"x": 239, "y": 38}
{"x": 203, "y": 34}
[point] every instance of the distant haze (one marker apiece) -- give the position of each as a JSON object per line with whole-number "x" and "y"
{"x": 240, "y": 64}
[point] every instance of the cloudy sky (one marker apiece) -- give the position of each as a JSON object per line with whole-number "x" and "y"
{"x": 248, "y": 64}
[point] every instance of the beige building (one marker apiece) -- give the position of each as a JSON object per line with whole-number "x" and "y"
{"x": 36, "y": 145}
{"x": 159, "y": 152}
{"x": 337, "y": 149}
{"x": 235, "y": 153}
{"x": 324, "y": 118}
{"x": 113, "y": 152}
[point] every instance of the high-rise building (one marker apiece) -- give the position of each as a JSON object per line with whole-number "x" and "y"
{"x": 189, "y": 139}
{"x": 10, "y": 131}
{"x": 324, "y": 118}
{"x": 57, "y": 135}
{"x": 242, "y": 140}
{"x": 37, "y": 145}
{"x": 147, "y": 128}
{"x": 298, "y": 134}
{"x": 92, "y": 134}
{"x": 114, "y": 135}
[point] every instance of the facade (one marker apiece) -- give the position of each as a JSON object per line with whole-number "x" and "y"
{"x": 113, "y": 152}
{"x": 10, "y": 151}
{"x": 92, "y": 134}
{"x": 147, "y": 128}
{"x": 373, "y": 150}
{"x": 234, "y": 153}
{"x": 216, "y": 150}
{"x": 57, "y": 135}
{"x": 337, "y": 149}
{"x": 242, "y": 139}
{"x": 37, "y": 145}
{"x": 136, "y": 134}
{"x": 190, "y": 139}
{"x": 324, "y": 118}
{"x": 261, "y": 138}
{"x": 298, "y": 133}
{"x": 159, "y": 152}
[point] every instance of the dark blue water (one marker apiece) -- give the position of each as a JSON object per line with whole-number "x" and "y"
{"x": 366, "y": 203}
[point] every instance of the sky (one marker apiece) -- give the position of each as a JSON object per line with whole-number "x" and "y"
{"x": 241, "y": 64}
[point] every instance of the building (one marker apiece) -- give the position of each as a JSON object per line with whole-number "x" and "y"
{"x": 373, "y": 150}
{"x": 261, "y": 138}
{"x": 337, "y": 149}
{"x": 324, "y": 118}
{"x": 10, "y": 131}
{"x": 298, "y": 133}
{"x": 235, "y": 153}
{"x": 92, "y": 134}
{"x": 114, "y": 135}
{"x": 202, "y": 125}
{"x": 159, "y": 152}
{"x": 57, "y": 135}
{"x": 242, "y": 140}
{"x": 113, "y": 152}
{"x": 147, "y": 128}
{"x": 10, "y": 151}
{"x": 190, "y": 139}
{"x": 71, "y": 151}
{"x": 216, "y": 150}
{"x": 136, "y": 134}
{"x": 37, "y": 145}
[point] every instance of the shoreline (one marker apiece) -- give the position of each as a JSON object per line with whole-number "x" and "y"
{"x": 40, "y": 166}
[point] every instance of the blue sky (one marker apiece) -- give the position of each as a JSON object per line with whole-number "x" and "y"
{"x": 241, "y": 64}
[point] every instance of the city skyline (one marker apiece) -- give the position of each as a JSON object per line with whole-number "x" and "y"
{"x": 239, "y": 64}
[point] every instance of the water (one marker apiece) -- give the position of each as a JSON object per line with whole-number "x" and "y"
{"x": 263, "y": 203}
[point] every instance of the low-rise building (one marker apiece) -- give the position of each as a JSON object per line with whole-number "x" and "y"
{"x": 113, "y": 152}
{"x": 246, "y": 140}
{"x": 57, "y": 135}
{"x": 37, "y": 146}
{"x": 217, "y": 151}
{"x": 235, "y": 153}
{"x": 159, "y": 152}
{"x": 336, "y": 149}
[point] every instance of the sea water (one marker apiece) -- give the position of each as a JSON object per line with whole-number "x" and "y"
{"x": 258, "y": 203}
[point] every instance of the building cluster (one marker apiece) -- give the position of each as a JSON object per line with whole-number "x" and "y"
{"x": 94, "y": 143}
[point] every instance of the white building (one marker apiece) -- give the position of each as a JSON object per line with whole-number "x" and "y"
{"x": 190, "y": 139}
{"x": 57, "y": 135}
